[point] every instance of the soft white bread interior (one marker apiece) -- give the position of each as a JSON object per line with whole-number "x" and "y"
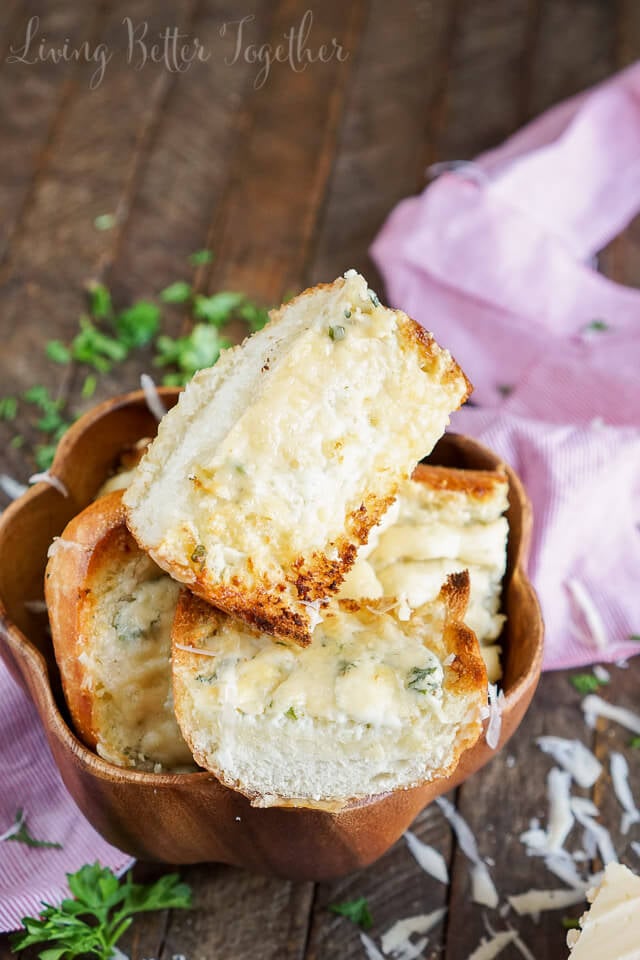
{"x": 373, "y": 704}
{"x": 111, "y": 610}
{"x": 269, "y": 473}
{"x": 445, "y": 520}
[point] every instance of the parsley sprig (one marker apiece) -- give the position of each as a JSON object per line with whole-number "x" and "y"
{"x": 355, "y": 910}
{"x": 587, "y": 682}
{"x": 20, "y": 834}
{"x": 101, "y": 911}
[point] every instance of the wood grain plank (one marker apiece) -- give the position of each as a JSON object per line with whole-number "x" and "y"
{"x": 32, "y": 97}
{"x": 267, "y": 222}
{"x": 391, "y": 116}
{"x": 183, "y": 179}
{"x": 395, "y": 888}
{"x": 90, "y": 169}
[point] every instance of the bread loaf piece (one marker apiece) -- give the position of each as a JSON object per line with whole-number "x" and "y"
{"x": 111, "y": 609}
{"x": 274, "y": 465}
{"x": 445, "y": 520}
{"x": 373, "y": 704}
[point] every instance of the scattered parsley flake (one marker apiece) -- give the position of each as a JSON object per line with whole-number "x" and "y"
{"x": 571, "y": 923}
{"x": 105, "y": 221}
{"x": 218, "y": 308}
{"x": 95, "y": 348}
{"x": 178, "y": 292}
{"x": 100, "y": 303}
{"x": 373, "y": 296}
{"x": 8, "y": 408}
{"x": 337, "y": 333}
{"x": 89, "y": 386}
{"x": 199, "y": 554}
{"x": 44, "y": 454}
{"x": 201, "y": 348}
{"x": 17, "y": 441}
{"x": 57, "y": 351}
{"x": 137, "y": 325}
{"x": 22, "y": 835}
{"x": 586, "y": 682}
{"x": 101, "y": 911}
{"x": 416, "y": 679}
{"x": 200, "y": 257}
{"x": 634, "y": 743}
{"x": 596, "y": 326}
{"x": 355, "y": 910}
{"x": 291, "y": 714}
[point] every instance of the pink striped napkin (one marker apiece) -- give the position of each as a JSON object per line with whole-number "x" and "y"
{"x": 31, "y": 780}
{"x": 496, "y": 259}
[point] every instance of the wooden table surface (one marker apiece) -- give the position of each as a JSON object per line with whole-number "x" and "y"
{"x": 288, "y": 182}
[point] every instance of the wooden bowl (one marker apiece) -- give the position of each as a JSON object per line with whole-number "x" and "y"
{"x": 191, "y": 818}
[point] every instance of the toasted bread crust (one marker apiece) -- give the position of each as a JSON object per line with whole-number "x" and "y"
{"x": 98, "y": 530}
{"x": 479, "y": 484}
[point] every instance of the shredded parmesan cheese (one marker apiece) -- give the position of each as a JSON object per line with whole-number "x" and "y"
{"x": 396, "y": 941}
{"x": 594, "y": 706}
{"x": 620, "y": 779}
{"x": 11, "y": 487}
{"x": 152, "y": 397}
{"x": 52, "y": 480}
{"x": 496, "y": 702}
{"x": 544, "y": 842}
{"x": 431, "y": 861}
{"x": 584, "y": 811}
{"x": 588, "y": 610}
{"x": 635, "y": 846}
{"x": 199, "y": 651}
{"x": 574, "y": 757}
{"x": 370, "y": 948}
{"x": 536, "y": 901}
{"x": 488, "y": 949}
{"x": 601, "y": 674}
{"x": 563, "y": 866}
{"x": 483, "y": 890}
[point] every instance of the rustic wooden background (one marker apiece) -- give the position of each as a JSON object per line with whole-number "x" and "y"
{"x": 288, "y": 184}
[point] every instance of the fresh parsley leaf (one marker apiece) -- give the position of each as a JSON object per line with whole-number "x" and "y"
{"x": 57, "y": 351}
{"x": 139, "y": 324}
{"x": 634, "y": 743}
{"x": 95, "y": 348}
{"x": 597, "y": 326}
{"x": 201, "y": 257}
{"x": 40, "y": 397}
{"x": 105, "y": 221}
{"x": 8, "y": 408}
{"x": 89, "y": 386}
{"x": 100, "y": 301}
{"x": 254, "y": 316}
{"x": 201, "y": 348}
{"x": 585, "y": 682}
{"x": 101, "y": 910}
{"x": 22, "y": 835}
{"x": 218, "y": 308}
{"x": 178, "y": 292}
{"x": 355, "y": 910}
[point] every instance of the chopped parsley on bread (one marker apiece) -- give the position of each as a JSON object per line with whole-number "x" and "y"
{"x": 270, "y": 471}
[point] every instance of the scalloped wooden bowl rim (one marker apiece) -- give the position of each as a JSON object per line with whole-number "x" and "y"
{"x": 34, "y": 667}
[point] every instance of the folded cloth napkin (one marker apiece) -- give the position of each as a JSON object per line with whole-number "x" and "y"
{"x": 496, "y": 258}
{"x": 31, "y": 782}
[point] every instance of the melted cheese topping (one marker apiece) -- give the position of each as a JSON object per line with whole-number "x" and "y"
{"x": 127, "y": 668}
{"x": 351, "y": 673}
